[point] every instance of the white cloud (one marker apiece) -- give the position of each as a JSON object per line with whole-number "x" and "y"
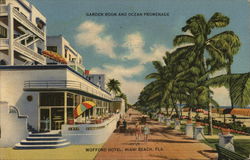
{"x": 135, "y": 45}
{"x": 130, "y": 87}
{"x": 91, "y": 34}
{"x": 221, "y": 96}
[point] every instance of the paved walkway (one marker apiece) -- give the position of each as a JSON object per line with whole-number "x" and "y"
{"x": 163, "y": 144}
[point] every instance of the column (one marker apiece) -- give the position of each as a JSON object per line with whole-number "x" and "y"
{"x": 11, "y": 35}
{"x": 226, "y": 141}
{"x": 65, "y": 107}
{"x": 199, "y": 133}
{"x": 189, "y": 130}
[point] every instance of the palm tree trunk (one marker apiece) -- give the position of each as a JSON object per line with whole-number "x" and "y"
{"x": 180, "y": 109}
{"x": 175, "y": 107}
{"x": 229, "y": 72}
{"x": 210, "y": 120}
{"x": 190, "y": 113}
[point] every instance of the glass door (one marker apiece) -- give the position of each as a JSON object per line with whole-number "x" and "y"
{"x": 44, "y": 119}
{"x": 57, "y": 118}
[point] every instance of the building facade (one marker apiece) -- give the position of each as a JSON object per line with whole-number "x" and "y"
{"x": 60, "y": 45}
{"x": 22, "y": 33}
{"x": 98, "y": 79}
{"x": 42, "y": 81}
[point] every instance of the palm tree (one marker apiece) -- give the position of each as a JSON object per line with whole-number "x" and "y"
{"x": 114, "y": 86}
{"x": 220, "y": 47}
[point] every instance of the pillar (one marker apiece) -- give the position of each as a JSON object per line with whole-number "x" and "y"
{"x": 226, "y": 141}
{"x": 198, "y": 135}
{"x": 177, "y": 124}
{"x": 168, "y": 122}
{"x": 65, "y": 107}
{"x": 189, "y": 130}
{"x": 11, "y": 35}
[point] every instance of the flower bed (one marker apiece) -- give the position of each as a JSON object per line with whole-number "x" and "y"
{"x": 237, "y": 128}
{"x": 54, "y": 56}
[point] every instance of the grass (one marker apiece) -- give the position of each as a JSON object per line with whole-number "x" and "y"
{"x": 73, "y": 152}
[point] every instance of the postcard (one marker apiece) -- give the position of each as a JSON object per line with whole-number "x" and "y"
{"x": 124, "y": 80}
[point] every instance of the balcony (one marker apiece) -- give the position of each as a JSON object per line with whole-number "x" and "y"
{"x": 77, "y": 67}
{"x": 29, "y": 53}
{"x": 27, "y": 23}
{"x": 64, "y": 84}
{"x": 3, "y": 10}
{"x": 4, "y": 43}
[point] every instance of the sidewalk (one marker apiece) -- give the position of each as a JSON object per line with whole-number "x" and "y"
{"x": 163, "y": 144}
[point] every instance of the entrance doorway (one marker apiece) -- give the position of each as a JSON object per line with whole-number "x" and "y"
{"x": 44, "y": 119}
{"x": 57, "y": 118}
{"x": 52, "y": 118}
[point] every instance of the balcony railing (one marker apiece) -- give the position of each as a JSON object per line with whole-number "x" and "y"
{"x": 29, "y": 53}
{"x": 28, "y": 24}
{"x": 4, "y": 43}
{"x": 3, "y": 9}
{"x": 65, "y": 84}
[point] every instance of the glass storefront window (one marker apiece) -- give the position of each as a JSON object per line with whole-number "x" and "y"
{"x": 77, "y": 100}
{"x": 57, "y": 118}
{"x": 52, "y": 99}
{"x": 69, "y": 99}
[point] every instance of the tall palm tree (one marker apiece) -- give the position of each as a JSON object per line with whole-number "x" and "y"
{"x": 220, "y": 47}
{"x": 114, "y": 86}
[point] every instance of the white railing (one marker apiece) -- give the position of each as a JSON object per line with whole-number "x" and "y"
{"x": 29, "y": 53}
{"x": 3, "y": 9}
{"x": 4, "y": 42}
{"x": 66, "y": 84}
{"x": 24, "y": 20}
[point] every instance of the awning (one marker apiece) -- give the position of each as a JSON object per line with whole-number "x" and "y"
{"x": 83, "y": 107}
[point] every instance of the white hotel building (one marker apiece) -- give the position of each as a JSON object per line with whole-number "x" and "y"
{"x": 41, "y": 82}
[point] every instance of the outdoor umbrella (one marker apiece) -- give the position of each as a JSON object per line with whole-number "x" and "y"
{"x": 83, "y": 107}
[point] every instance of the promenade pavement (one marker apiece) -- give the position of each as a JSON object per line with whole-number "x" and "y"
{"x": 164, "y": 143}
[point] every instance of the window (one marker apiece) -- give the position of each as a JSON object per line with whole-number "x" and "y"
{"x": 77, "y": 100}
{"x": 52, "y": 99}
{"x": 65, "y": 53}
{"x": 52, "y": 48}
{"x": 39, "y": 50}
{"x": 3, "y": 32}
{"x": 2, "y": 1}
{"x": 69, "y": 57}
{"x": 3, "y": 62}
{"x": 69, "y": 99}
{"x": 15, "y": 8}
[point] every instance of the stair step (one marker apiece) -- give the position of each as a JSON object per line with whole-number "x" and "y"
{"x": 43, "y": 142}
{"x": 44, "y": 135}
{"x": 43, "y": 138}
{"x": 20, "y": 146}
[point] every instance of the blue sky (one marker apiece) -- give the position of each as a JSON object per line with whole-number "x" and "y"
{"x": 124, "y": 46}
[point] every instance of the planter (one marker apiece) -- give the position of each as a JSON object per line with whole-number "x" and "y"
{"x": 189, "y": 121}
{"x": 225, "y": 131}
{"x": 70, "y": 121}
{"x": 198, "y": 124}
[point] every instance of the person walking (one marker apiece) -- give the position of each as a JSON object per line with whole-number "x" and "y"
{"x": 124, "y": 125}
{"x": 137, "y": 132}
{"x": 118, "y": 126}
{"x": 146, "y": 132}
